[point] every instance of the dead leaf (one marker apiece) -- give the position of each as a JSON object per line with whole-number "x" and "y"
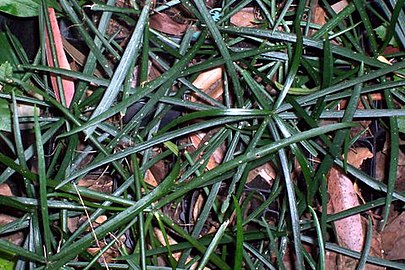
{"x": 349, "y": 231}
{"x": 5, "y": 190}
{"x": 215, "y": 158}
{"x": 73, "y": 223}
{"x": 101, "y": 219}
{"x": 393, "y": 239}
{"x": 199, "y": 204}
{"x": 16, "y": 238}
{"x": 67, "y": 83}
{"x": 160, "y": 237}
{"x": 266, "y": 171}
{"x": 244, "y": 18}
{"x": 210, "y": 82}
{"x": 150, "y": 179}
{"x": 339, "y": 6}
{"x": 356, "y": 156}
{"x": 318, "y": 18}
{"x": 103, "y": 183}
{"x": 109, "y": 256}
{"x": 165, "y": 24}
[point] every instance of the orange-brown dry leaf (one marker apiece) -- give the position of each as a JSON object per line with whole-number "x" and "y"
{"x": 109, "y": 256}
{"x": 73, "y": 223}
{"x": 150, "y": 179}
{"x": 159, "y": 235}
{"x": 210, "y": 82}
{"x": 339, "y": 6}
{"x": 165, "y": 24}
{"x": 68, "y": 83}
{"x": 266, "y": 171}
{"x": 342, "y": 195}
{"x": 177, "y": 255}
{"x": 393, "y": 239}
{"x": 5, "y": 190}
{"x": 215, "y": 158}
{"x": 103, "y": 183}
{"x": 244, "y": 18}
{"x": 330, "y": 260}
{"x": 208, "y": 78}
{"x": 336, "y": 261}
{"x": 199, "y": 204}
{"x": 101, "y": 219}
{"x": 16, "y": 238}
{"x": 319, "y": 18}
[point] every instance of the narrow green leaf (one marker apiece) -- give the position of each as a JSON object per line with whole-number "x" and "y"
{"x": 43, "y": 198}
{"x": 367, "y": 245}
{"x": 128, "y": 57}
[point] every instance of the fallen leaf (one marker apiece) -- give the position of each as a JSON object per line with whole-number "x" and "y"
{"x": 161, "y": 238}
{"x": 393, "y": 239}
{"x": 5, "y": 190}
{"x": 210, "y": 82}
{"x": 265, "y": 171}
{"x": 150, "y": 179}
{"x": 67, "y": 83}
{"x": 198, "y": 206}
{"x": 16, "y": 237}
{"x": 339, "y": 6}
{"x": 108, "y": 256}
{"x": 101, "y": 219}
{"x": 349, "y": 230}
{"x": 165, "y": 24}
{"x": 103, "y": 183}
{"x": 216, "y": 157}
{"x": 244, "y": 18}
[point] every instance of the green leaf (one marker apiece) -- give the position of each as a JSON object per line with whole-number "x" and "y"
{"x": 24, "y": 8}
{"x": 20, "y": 8}
{"x": 6, "y": 262}
{"x": 401, "y": 122}
{"x": 382, "y": 32}
{"x": 6, "y": 71}
{"x": 5, "y": 116}
{"x": 172, "y": 147}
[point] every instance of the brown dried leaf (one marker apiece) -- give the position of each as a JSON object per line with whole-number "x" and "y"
{"x": 343, "y": 196}
{"x": 150, "y": 179}
{"x": 101, "y": 183}
{"x": 215, "y": 158}
{"x": 109, "y": 256}
{"x": 266, "y": 171}
{"x": 358, "y": 155}
{"x": 5, "y": 190}
{"x": 165, "y": 24}
{"x": 67, "y": 83}
{"x": 17, "y": 237}
{"x": 339, "y": 6}
{"x": 319, "y": 16}
{"x": 160, "y": 237}
{"x": 199, "y": 204}
{"x": 210, "y": 82}
{"x": 244, "y": 18}
{"x": 393, "y": 239}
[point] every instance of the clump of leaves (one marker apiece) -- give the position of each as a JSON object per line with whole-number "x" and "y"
{"x": 210, "y": 147}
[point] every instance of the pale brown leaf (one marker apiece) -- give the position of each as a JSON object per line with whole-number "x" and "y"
{"x": 165, "y": 24}
{"x": 244, "y": 18}
{"x": 339, "y": 6}
{"x": 5, "y": 190}
{"x": 393, "y": 239}
{"x": 342, "y": 197}
{"x": 67, "y": 83}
